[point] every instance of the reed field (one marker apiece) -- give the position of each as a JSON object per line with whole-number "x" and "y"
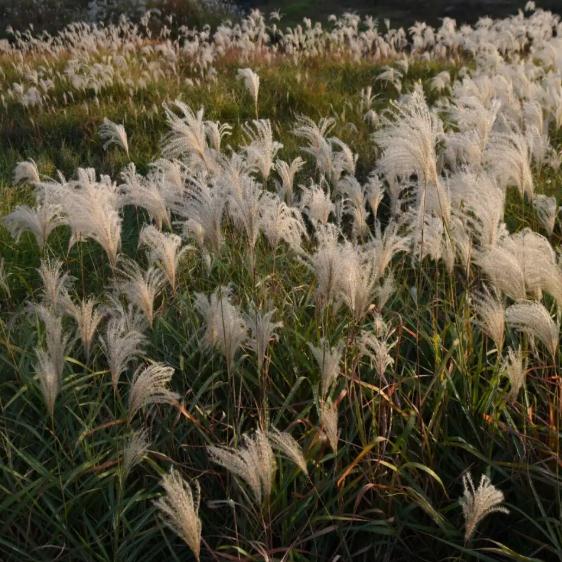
{"x": 281, "y": 292}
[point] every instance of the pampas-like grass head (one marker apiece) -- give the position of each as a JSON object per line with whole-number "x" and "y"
{"x": 533, "y": 319}
{"x": 112, "y": 133}
{"x": 515, "y": 368}
{"x": 253, "y": 463}
{"x": 26, "y": 171}
{"x": 40, "y": 221}
{"x": 263, "y": 330}
{"x": 150, "y": 386}
{"x": 87, "y": 314}
{"x": 49, "y": 379}
{"x": 123, "y": 341}
{"x": 252, "y": 84}
{"x": 134, "y": 452}
{"x": 286, "y": 444}
{"x": 328, "y": 359}
{"x": 477, "y": 503}
{"x": 491, "y": 316}
{"x": 180, "y": 509}
{"x": 225, "y": 327}
{"x": 164, "y": 251}
{"x": 140, "y": 287}
{"x": 92, "y": 211}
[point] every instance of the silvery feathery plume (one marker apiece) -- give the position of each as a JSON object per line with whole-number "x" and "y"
{"x": 490, "y": 316}
{"x": 134, "y": 451}
{"x": 366, "y": 99}
{"x": 187, "y": 136}
{"x": 112, "y": 133}
{"x": 515, "y": 368}
{"x": 40, "y": 221}
{"x": 325, "y": 261}
{"x": 140, "y": 287}
{"x": 479, "y": 502}
{"x": 146, "y": 193}
{"x": 316, "y": 204}
{"x": 460, "y": 242}
{"x": 281, "y": 222}
{"x": 377, "y": 348}
{"x": 26, "y": 171}
{"x": 343, "y": 160}
{"x": 163, "y": 251}
{"x": 386, "y": 245}
{"x": 354, "y": 205}
{"x": 440, "y": 82}
{"x": 203, "y": 210}
{"x": 56, "y": 340}
{"x": 170, "y": 175}
{"x": 475, "y": 120}
{"x": 408, "y": 140}
{"x": 479, "y": 202}
{"x": 122, "y": 342}
{"x": 287, "y": 173}
{"x": 537, "y": 259}
{"x": 262, "y": 149}
{"x": 547, "y": 210}
{"x": 233, "y": 168}
{"x": 356, "y": 279}
{"x": 253, "y": 463}
{"x": 179, "y": 508}
{"x": 49, "y": 379}
{"x": 92, "y": 211}
{"x": 429, "y": 237}
{"x": 225, "y": 327}
{"x": 251, "y": 83}
{"x": 328, "y": 359}
{"x": 55, "y": 284}
{"x": 50, "y": 361}
{"x": 87, "y": 314}
{"x": 263, "y": 330}
{"x": 329, "y": 422}
{"x": 314, "y": 133}
{"x": 374, "y": 192}
{"x": 509, "y": 158}
{"x": 504, "y": 271}
{"x": 330, "y": 163}
{"x": 533, "y": 319}
{"x": 216, "y": 132}
{"x": 245, "y": 207}
{"x": 385, "y": 290}
{"x": 391, "y": 76}
{"x": 150, "y": 386}
{"x": 287, "y": 445}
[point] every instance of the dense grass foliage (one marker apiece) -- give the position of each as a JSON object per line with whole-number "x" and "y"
{"x": 393, "y": 310}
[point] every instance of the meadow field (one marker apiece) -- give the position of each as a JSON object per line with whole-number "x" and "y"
{"x": 276, "y": 292}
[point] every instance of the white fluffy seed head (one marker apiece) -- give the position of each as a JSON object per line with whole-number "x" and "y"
{"x": 533, "y": 319}
{"x": 179, "y": 508}
{"x": 113, "y": 133}
{"x": 253, "y": 463}
{"x": 150, "y": 386}
{"x": 479, "y": 502}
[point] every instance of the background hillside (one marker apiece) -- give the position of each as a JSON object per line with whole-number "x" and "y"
{"x": 51, "y": 15}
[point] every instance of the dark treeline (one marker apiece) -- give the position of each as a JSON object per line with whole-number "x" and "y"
{"x": 51, "y": 15}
